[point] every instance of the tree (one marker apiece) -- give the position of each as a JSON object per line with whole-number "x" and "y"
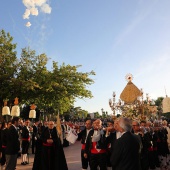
{"x": 77, "y": 112}
{"x": 8, "y": 66}
{"x": 158, "y": 101}
{"x": 67, "y": 84}
{"x": 29, "y": 79}
{"x": 8, "y": 62}
{"x": 97, "y": 115}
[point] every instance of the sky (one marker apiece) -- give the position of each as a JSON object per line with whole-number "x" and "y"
{"x": 111, "y": 37}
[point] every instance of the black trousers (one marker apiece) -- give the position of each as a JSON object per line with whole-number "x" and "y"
{"x": 153, "y": 159}
{"x": 65, "y": 143}
{"x": 108, "y": 159}
{"x": 144, "y": 160}
{"x": 38, "y": 155}
{"x": 84, "y": 161}
{"x": 11, "y": 162}
{"x": 33, "y": 145}
{"x": 3, "y": 159}
{"x": 25, "y": 146}
{"x": 98, "y": 160}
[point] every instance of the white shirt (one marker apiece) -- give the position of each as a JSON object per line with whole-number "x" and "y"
{"x": 14, "y": 126}
{"x": 96, "y": 136}
{"x": 118, "y": 135}
{"x": 87, "y": 132}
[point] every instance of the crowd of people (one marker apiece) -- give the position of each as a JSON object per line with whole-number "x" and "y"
{"x": 125, "y": 145}
{"x": 121, "y": 144}
{"x": 18, "y": 137}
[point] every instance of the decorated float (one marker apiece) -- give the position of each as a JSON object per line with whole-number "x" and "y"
{"x": 132, "y": 104}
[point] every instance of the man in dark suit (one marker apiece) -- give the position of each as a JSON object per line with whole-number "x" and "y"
{"x": 13, "y": 145}
{"x": 126, "y": 149}
{"x": 83, "y": 137}
{"x": 142, "y": 134}
{"x": 34, "y": 135}
{"x": 111, "y": 133}
{"x": 25, "y": 141}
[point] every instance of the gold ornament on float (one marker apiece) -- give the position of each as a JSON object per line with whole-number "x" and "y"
{"x": 130, "y": 93}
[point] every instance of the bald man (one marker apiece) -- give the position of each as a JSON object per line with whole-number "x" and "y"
{"x": 96, "y": 145}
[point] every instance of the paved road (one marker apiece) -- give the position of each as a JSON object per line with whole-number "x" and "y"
{"x": 72, "y": 154}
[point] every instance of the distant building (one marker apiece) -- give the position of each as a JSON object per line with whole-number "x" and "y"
{"x": 91, "y": 115}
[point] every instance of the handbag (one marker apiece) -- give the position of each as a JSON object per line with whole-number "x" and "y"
{"x": 71, "y": 136}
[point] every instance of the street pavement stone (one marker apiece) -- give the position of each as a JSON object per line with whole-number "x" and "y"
{"x": 72, "y": 154}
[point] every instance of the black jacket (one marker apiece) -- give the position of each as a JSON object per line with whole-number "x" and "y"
{"x": 101, "y": 144}
{"x": 111, "y": 139}
{"x": 82, "y": 136}
{"x": 126, "y": 153}
{"x": 25, "y": 133}
{"x": 13, "y": 144}
{"x": 4, "y": 137}
{"x": 35, "y": 132}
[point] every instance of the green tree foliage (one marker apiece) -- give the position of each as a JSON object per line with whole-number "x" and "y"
{"x": 97, "y": 115}
{"x": 8, "y": 65}
{"x": 77, "y": 112}
{"x": 158, "y": 101}
{"x": 29, "y": 79}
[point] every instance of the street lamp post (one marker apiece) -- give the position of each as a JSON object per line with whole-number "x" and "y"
{"x": 102, "y": 110}
{"x": 113, "y": 105}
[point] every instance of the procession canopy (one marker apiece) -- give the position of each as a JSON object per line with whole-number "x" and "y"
{"x": 130, "y": 93}
{"x": 166, "y": 104}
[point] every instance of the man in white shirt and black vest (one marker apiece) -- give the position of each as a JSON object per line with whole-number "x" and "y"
{"x": 25, "y": 142}
{"x": 97, "y": 146}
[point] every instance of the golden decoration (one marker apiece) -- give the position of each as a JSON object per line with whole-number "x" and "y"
{"x": 32, "y": 107}
{"x": 130, "y": 93}
{"x": 152, "y": 109}
{"x": 16, "y": 101}
{"x": 58, "y": 127}
{"x": 5, "y": 102}
{"x": 129, "y": 77}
